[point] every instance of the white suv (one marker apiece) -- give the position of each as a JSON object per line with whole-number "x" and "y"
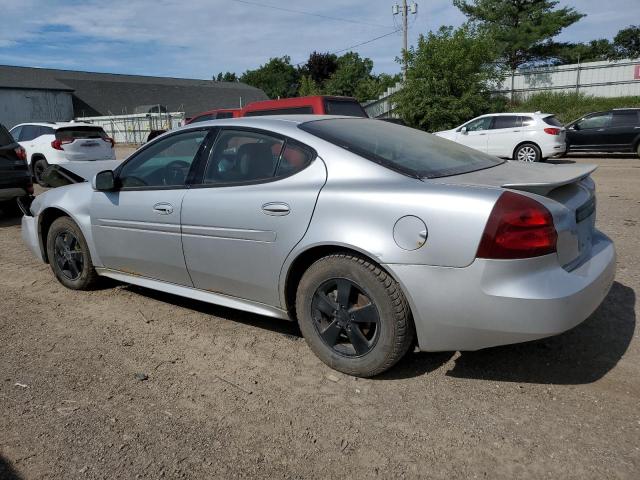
{"x": 59, "y": 143}
{"x": 529, "y": 137}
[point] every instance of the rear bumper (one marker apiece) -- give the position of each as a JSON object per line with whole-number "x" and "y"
{"x": 553, "y": 149}
{"x": 498, "y": 302}
{"x": 30, "y": 236}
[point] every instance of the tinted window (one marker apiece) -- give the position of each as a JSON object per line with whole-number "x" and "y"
{"x": 342, "y": 107}
{"x": 164, "y": 163}
{"x": 479, "y": 124}
{"x": 29, "y": 132}
{"x": 624, "y": 118}
{"x": 598, "y": 120}
{"x": 404, "y": 149}
{"x": 293, "y": 159}
{"x": 46, "y": 131}
{"x": 506, "y": 121}
{"x": 280, "y": 111}
{"x": 553, "y": 121}
{"x": 224, "y": 115}
{"x": 15, "y": 132}
{"x": 73, "y": 133}
{"x": 241, "y": 156}
{"x": 5, "y": 137}
{"x": 203, "y": 118}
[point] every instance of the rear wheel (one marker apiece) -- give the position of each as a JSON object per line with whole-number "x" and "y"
{"x": 39, "y": 167}
{"x": 69, "y": 255}
{"x": 353, "y": 315}
{"x": 527, "y": 152}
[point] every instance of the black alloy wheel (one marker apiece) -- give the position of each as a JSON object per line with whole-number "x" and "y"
{"x": 68, "y": 254}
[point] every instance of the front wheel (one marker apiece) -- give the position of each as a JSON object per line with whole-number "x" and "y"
{"x": 69, "y": 255}
{"x": 353, "y": 315}
{"x": 528, "y": 152}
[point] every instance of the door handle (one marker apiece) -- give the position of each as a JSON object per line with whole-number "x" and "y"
{"x": 515, "y": 131}
{"x": 276, "y": 208}
{"x": 482, "y": 134}
{"x": 163, "y": 208}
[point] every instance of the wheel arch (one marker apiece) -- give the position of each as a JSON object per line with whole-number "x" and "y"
{"x": 524, "y": 142}
{"x": 45, "y": 220}
{"x": 305, "y": 258}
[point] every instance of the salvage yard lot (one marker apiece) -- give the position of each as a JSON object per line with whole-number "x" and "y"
{"x": 233, "y": 394}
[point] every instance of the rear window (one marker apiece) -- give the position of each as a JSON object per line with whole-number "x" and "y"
{"x": 625, "y": 118}
{"x": 5, "y": 137}
{"x": 280, "y": 111}
{"x": 73, "y": 133}
{"x": 224, "y": 115}
{"x": 553, "y": 121}
{"x": 406, "y": 150}
{"x": 346, "y": 108}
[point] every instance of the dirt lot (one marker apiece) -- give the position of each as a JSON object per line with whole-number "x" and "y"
{"x": 235, "y": 395}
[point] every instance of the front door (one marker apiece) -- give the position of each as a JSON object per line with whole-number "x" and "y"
{"x": 589, "y": 132}
{"x": 254, "y": 204}
{"x": 136, "y": 229}
{"x": 474, "y": 133}
{"x": 504, "y": 136}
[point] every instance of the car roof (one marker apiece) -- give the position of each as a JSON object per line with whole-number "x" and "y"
{"x": 56, "y": 125}
{"x": 503, "y": 114}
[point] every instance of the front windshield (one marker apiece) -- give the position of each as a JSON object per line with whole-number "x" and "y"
{"x": 407, "y": 150}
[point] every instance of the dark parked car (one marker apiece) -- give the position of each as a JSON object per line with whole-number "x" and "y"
{"x": 617, "y": 130}
{"x": 15, "y": 179}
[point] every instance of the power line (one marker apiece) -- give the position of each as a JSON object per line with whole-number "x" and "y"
{"x": 300, "y": 12}
{"x": 358, "y": 44}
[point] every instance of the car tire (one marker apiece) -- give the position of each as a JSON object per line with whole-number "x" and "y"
{"x": 527, "y": 152}
{"x": 370, "y": 331}
{"x": 69, "y": 255}
{"x": 38, "y": 168}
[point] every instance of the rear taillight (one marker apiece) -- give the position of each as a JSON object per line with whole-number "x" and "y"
{"x": 518, "y": 227}
{"x": 57, "y": 143}
{"x": 21, "y": 153}
{"x": 110, "y": 140}
{"x": 552, "y": 131}
{"x": 30, "y": 189}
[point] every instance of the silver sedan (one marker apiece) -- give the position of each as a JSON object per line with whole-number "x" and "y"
{"x": 374, "y": 237}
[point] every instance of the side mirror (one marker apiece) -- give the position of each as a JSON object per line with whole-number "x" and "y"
{"x": 463, "y": 130}
{"x": 104, "y": 181}
{"x": 576, "y": 126}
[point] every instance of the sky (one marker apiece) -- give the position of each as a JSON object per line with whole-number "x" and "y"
{"x": 198, "y": 38}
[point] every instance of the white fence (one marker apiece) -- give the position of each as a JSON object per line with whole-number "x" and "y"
{"x": 135, "y": 128}
{"x": 619, "y": 78}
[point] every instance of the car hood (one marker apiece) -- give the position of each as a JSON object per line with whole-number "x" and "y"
{"x": 537, "y": 178}
{"x": 76, "y": 172}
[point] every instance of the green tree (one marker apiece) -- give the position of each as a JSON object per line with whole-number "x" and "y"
{"x": 308, "y": 86}
{"x": 522, "y": 29}
{"x": 627, "y": 43}
{"x": 320, "y": 66}
{"x": 449, "y": 77}
{"x": 352, "y": 70}
{"x": 593, "y": 51}
{"x": 277, "y": 78}
{"x": 226, "y": 77}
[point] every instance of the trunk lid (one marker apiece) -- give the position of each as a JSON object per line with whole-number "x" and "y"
{"x": 567, "y": 191}
{"x": 85, "y": 143}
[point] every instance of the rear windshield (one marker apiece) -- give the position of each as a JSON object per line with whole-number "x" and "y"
{"x": 73, "y": 133}
{"x": 346, "y": 108}
{"x": 407, "y": 150}
{"x": 553, "y": 121}
{"x": 5, "y": 137}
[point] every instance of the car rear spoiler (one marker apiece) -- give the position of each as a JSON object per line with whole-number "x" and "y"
{"x": 552, "y": 178}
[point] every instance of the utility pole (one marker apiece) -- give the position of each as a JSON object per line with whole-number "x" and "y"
{"x": 405, "y": 10}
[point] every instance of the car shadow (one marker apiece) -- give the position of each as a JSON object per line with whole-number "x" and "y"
{"x": 601, "y": 155}
{"x": 581, "y": 355}
{"x": 559, "y": 161}
{"x": 9, "y": 220}
{"x": 251, "y": 319}
{"x": 6, "y": 470}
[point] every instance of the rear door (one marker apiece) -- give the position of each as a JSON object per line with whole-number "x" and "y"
{"x": 475, "y": 135}
{"x": 505, "y": 134}
{"x": 623, "y": 130}
{"x": 256, "y": 197}
{"x": 85, "y": 143}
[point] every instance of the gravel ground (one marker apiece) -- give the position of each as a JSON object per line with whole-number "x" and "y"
{"x": 124, "y": 382}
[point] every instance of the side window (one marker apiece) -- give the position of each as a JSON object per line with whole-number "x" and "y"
{"x": 224, "y": 115}
{"x": 480, "y": 124}
{"x": 625, "y": 118}
{"x": 506, "y": 121}
{"x": 598, "y": 120}
{"x": 242, "y": 156}
{"x": 280, "y": 111}
{"x": 165, "y": 163}
{"x": 529, "y": 121}
{"x": 46, "y": 131}
{"x": 29, "y": 132}
{"x": 15, "y": 132}
{"x": 294, "y": 158}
